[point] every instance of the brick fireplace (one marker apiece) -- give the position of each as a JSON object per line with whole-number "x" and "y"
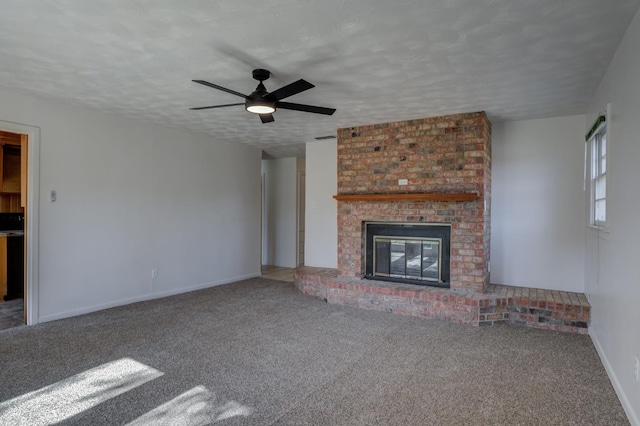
{"x": 442, "y": 159}
{"x": 446, "y": 162}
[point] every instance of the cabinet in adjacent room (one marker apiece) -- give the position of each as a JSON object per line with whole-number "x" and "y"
{"x": 11, "y": 164}
{"x": 13, "y": 168}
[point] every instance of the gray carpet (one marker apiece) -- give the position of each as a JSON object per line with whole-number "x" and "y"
{"x": 259, "y": 352}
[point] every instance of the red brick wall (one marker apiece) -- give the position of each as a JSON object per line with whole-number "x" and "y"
{"x": 448, "y": 154}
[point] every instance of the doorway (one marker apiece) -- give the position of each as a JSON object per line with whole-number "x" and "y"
{"x": 13, "y": 208}
{"x": 18, "y": 202}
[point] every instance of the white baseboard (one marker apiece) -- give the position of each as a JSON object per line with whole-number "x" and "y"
{"x": 140, "y": 298}
{"x": 626, "y": 404}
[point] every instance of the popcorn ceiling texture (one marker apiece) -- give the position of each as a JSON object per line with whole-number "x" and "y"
{"x": 374, "y": 60}
{"x": 449, "y": 154}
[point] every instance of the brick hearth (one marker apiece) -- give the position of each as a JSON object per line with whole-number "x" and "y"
{"x": 544, "y": 309}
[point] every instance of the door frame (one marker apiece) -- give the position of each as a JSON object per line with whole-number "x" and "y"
{"x": 264, "y": 221}
{"x": 300, "y": 212}
{"x": 32, "y": 215}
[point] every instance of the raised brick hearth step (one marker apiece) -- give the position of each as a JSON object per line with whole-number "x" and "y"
{"x": 532, "y": 307}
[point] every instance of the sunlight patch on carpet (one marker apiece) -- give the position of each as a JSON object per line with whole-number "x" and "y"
{"x": 71, "y": 396}
{"x": 197, "y": 406}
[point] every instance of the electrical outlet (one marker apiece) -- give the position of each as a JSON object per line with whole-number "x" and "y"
{"x": 154, "y": 274}
{"x": 637, "y": 369}
{"x": 403, "y": 182}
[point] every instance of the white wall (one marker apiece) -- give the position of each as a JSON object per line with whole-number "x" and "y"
{"x": 133, "y": 197}
{"x": 537, "y": 215}
{"x": 280, "y": 229}
{"x": 321, "y": 240}
{"x": 612, "y": 277}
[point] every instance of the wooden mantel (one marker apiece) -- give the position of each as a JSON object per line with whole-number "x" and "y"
{"x": 428, "y": 196}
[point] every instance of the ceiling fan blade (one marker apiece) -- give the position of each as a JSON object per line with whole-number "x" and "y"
{"x": 215, "y": 106}
{"x": 266, "y": 118}
{"x": 305, "y": 108}
{"x": 289, "y": 90}
{"x": 215, "y": 86}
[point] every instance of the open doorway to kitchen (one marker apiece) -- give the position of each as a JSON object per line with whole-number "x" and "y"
{"x": 19, "y": 145}
{"x": 13, "y": 208}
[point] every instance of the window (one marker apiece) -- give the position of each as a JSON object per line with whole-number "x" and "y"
{"x": 598, "y": 142}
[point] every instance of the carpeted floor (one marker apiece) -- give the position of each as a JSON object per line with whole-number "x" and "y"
{"x": 259, "y": 352}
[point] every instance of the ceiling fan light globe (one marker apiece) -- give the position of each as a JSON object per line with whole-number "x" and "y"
{"x": 260, "y": 109}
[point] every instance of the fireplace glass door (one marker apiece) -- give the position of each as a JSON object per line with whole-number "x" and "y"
{"x": 407, "y": 258}
{"x": 413, "y": 253}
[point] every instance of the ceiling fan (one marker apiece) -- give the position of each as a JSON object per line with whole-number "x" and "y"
{"x": 265, "y": 103}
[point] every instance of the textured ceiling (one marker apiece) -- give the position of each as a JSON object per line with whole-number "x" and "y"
{"x": 373, "y": 60}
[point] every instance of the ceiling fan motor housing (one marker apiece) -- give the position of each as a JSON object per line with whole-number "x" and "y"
{"x": 256, "y": 101}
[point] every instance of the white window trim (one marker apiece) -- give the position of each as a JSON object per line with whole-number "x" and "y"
{"x": 597, "y": 175}
{"x": 601, "y": 228}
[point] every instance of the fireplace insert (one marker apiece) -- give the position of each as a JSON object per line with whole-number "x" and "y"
{"x": 416, "y": 253}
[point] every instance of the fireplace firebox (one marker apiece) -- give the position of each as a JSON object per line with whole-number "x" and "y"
{"x": 416, "y": 253}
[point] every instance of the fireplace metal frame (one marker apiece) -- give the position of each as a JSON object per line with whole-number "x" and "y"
{"x": 435, "y": 231}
